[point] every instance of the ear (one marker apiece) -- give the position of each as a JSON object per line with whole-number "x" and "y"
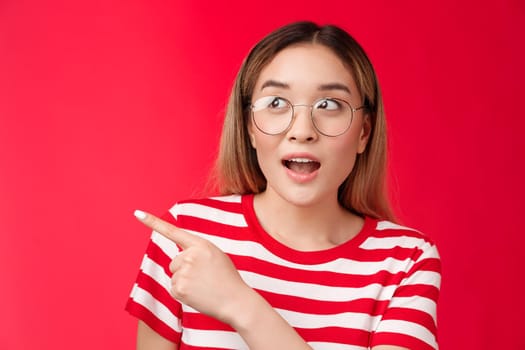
{"x": 364, "y": 135}
{"x": 251, "y": 134}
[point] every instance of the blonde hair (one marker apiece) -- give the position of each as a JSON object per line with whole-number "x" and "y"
{"x": 237, "y": 170}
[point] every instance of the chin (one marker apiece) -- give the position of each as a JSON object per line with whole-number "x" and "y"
{"x": 303, "y": 198}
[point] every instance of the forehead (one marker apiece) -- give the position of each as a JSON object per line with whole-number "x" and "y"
{"x": 306, "y": 67}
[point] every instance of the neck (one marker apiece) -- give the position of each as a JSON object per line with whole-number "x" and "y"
{"x": 322, "y": 225}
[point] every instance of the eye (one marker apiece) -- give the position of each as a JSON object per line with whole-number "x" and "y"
{"x": 277, "y": 102}
{"x": 328, "y": 104}
{"x": 274, "y": 103}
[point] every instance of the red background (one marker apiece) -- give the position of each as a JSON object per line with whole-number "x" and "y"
{"x": 110, "y": 106}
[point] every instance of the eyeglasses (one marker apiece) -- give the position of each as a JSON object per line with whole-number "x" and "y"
{"x": 274, "y": 115}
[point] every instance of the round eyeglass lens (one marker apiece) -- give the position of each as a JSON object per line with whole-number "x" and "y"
{"x": 331, "y": 116}
{"x": 272, "y": 114}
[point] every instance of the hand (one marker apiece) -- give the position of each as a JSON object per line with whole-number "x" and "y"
{"x": 204, "y": 278}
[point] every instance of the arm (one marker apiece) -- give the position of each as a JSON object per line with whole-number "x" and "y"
{"x": 261, "y": 326}
{"x": 203, "y": 274}
{"x": 410, "y": 318}
{"x": 148, "y": 339}
{"x": 254, "y": 319}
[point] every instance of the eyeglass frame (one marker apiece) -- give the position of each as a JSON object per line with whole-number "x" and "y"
{"x": 311, "y": 106}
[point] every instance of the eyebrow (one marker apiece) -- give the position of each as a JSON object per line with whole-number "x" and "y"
{"x": 334, "y": 86}
{"x": 274, "y": 83}
{"x": 323, "y": 87}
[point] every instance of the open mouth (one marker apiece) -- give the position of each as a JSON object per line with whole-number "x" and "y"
{"x": 301, "y": 165}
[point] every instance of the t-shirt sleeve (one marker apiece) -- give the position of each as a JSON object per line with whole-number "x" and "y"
{"x": 150, "y": 299}
{"x": 410, "y": 319}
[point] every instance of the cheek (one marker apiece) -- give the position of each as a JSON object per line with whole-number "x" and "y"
{"x": 346, "y": 156}
{"x": 343, "y": 153}
{"x": 265, "y": 148}
{"x": 349, "y": 144}
{"x": 356, "y": 139}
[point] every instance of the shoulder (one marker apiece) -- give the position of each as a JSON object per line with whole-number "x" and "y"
{"x": 195, "y": 205}
{"x": 387, "y": 235}
{"x": 220, "y": 209}
{"x": 205, "y": 217}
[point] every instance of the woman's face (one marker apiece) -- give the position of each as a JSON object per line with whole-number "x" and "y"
{"x": 301, "y": 165}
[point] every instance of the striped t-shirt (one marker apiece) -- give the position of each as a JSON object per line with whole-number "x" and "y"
{"x": 379, "y": 288}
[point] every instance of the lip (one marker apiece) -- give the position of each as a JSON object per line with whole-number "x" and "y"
{"x": 298, "y": 177}
{"x": 301, "y": 155}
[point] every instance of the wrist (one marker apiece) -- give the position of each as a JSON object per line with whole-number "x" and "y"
{"x": 245, "y": 310}
{"x": 261, "y": 326}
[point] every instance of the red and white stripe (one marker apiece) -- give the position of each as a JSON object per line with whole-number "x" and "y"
{"x": 380, "y": 288}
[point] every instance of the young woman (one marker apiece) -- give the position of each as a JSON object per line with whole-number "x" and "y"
{"x": 300, "y": 251}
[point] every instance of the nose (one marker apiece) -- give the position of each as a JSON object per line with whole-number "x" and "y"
{"x": 302, "y": 128}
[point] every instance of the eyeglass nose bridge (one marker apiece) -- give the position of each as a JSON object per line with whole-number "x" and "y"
{"x": 312, "y": 120}
{"x": 292, "y": 120}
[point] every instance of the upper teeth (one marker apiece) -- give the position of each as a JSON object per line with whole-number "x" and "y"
{"x": 301, "y": 160}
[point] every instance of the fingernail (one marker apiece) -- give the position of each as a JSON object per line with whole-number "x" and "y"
{"x": 139, "y": 214}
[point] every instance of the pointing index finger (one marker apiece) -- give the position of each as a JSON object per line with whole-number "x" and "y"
{"x": 173, "y": 233}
